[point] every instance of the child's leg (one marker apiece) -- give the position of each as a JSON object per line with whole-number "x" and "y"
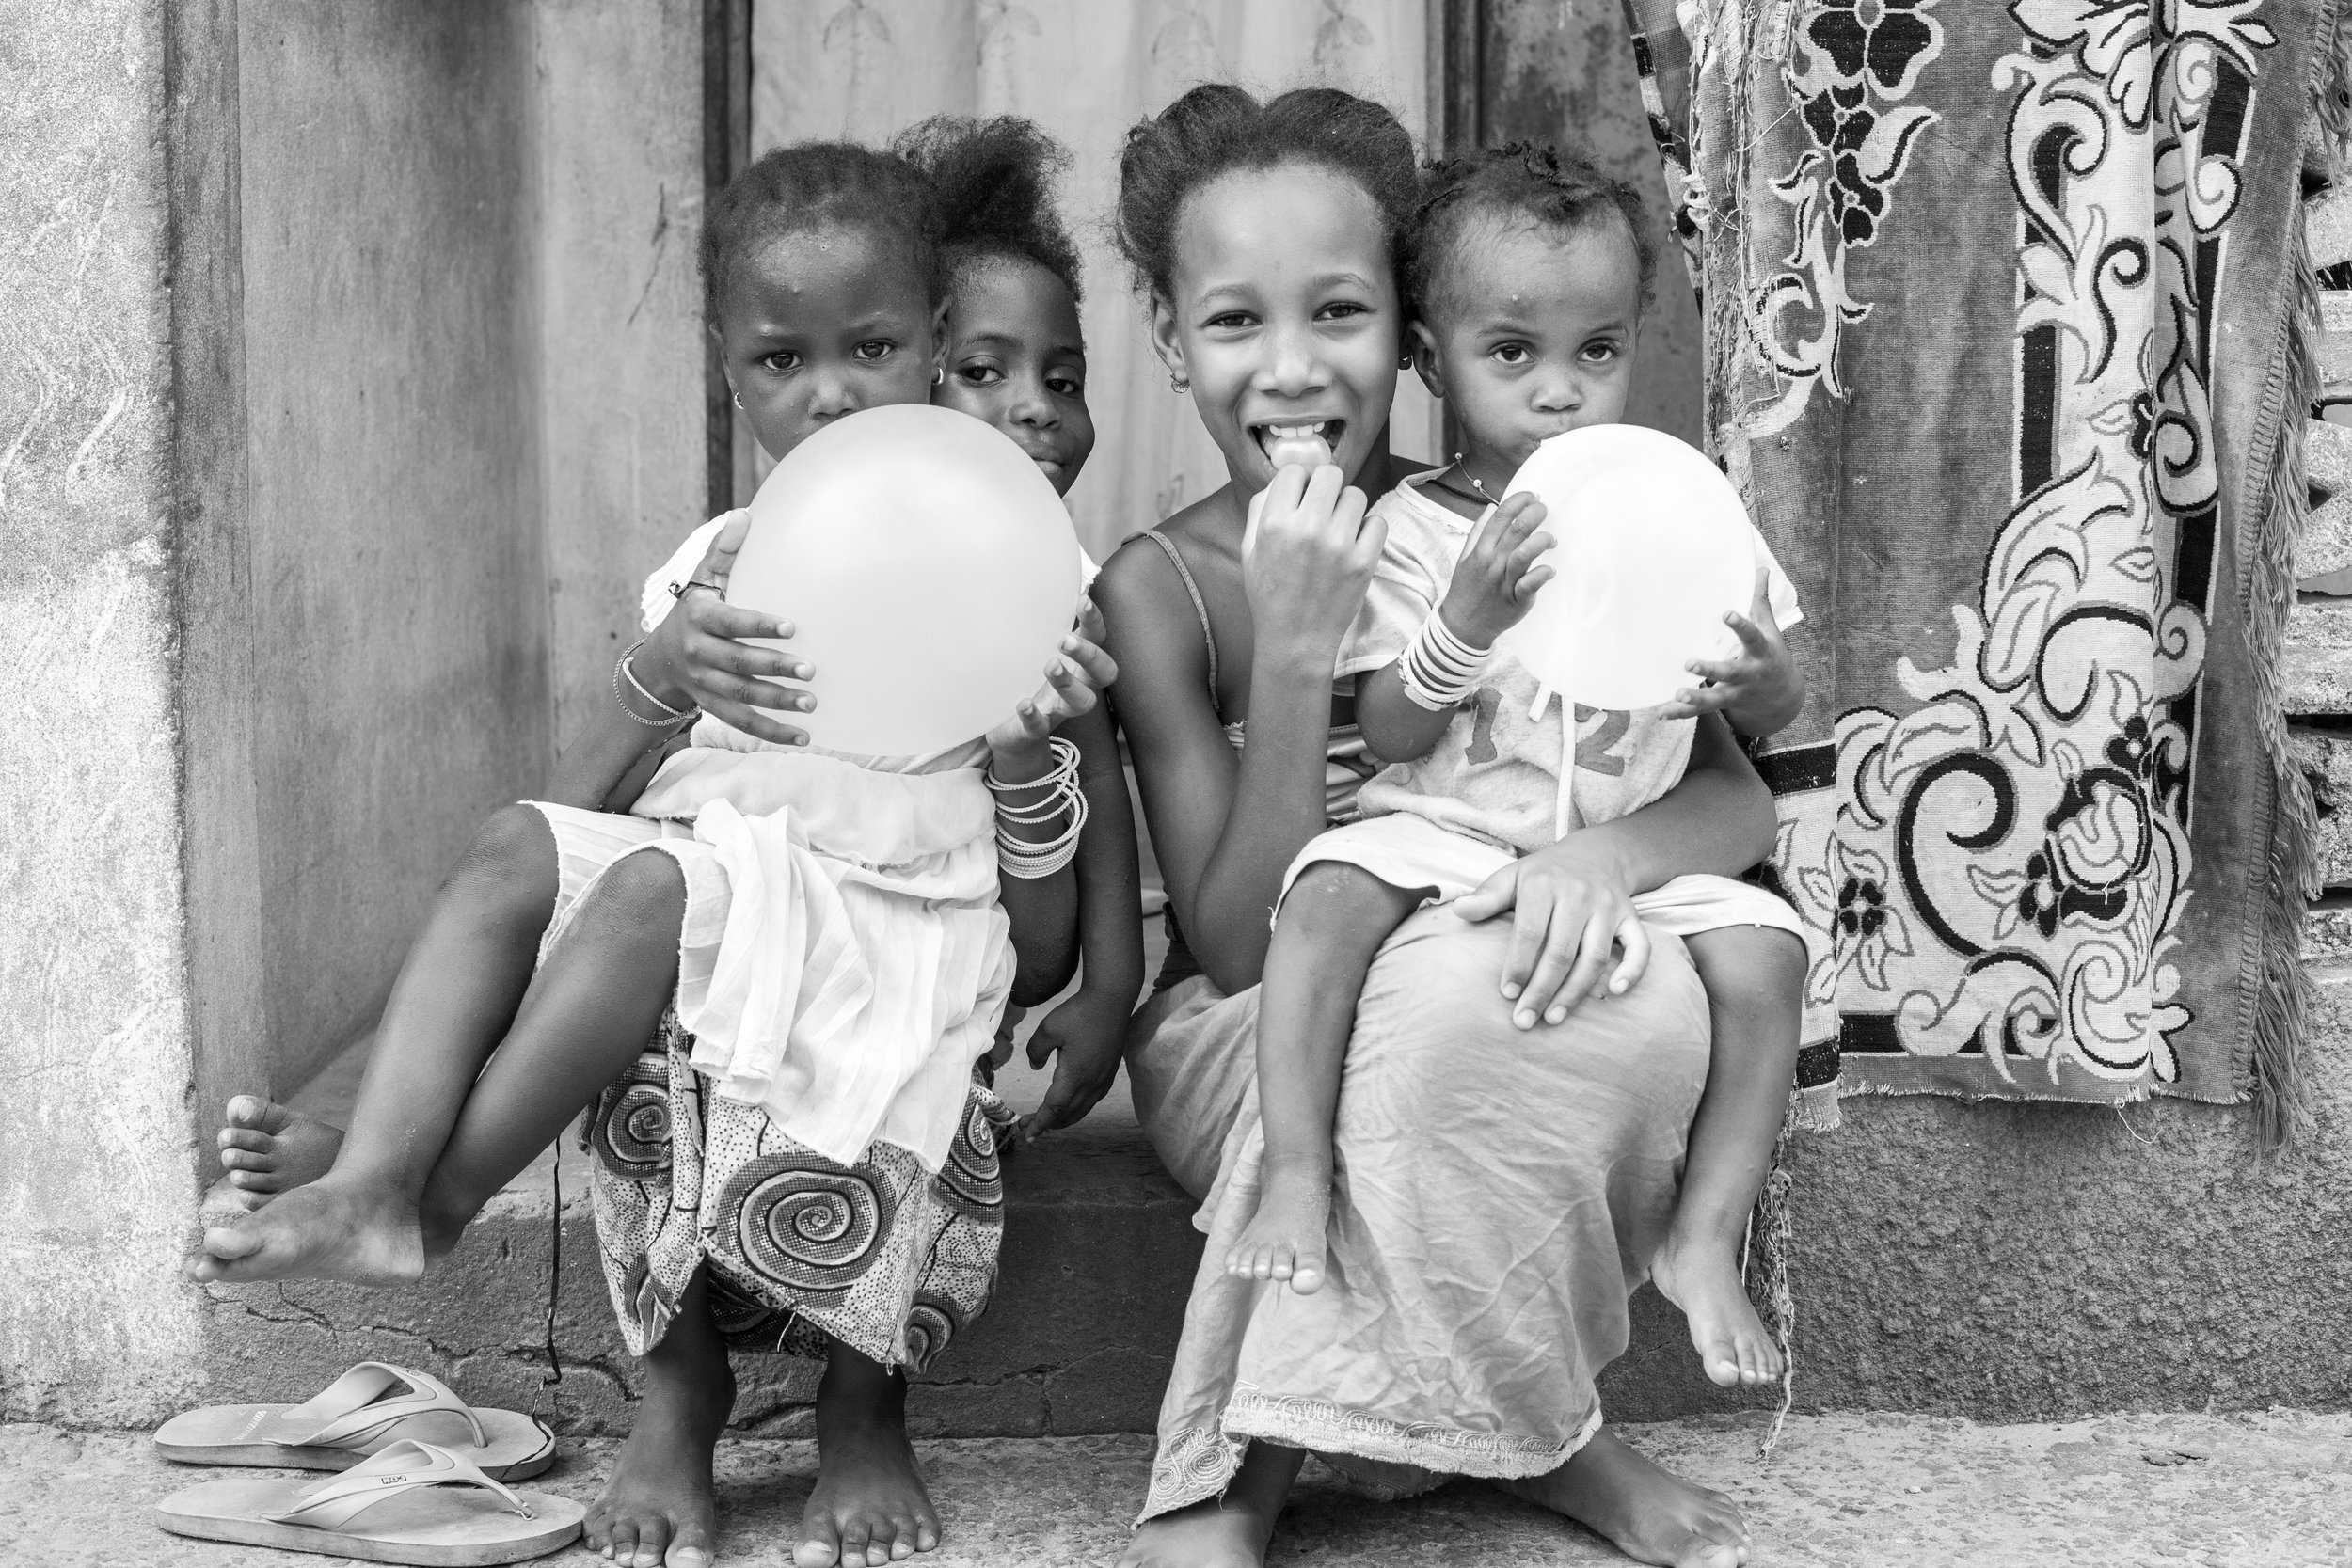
{"x": 1332, "y": 922}
{"x": 658, "y": 1507}
{"x": 455, "y": 995}
{"x": 589, "y": 1012}
{"x": 870, "y": 1505}
{"x": 1755, "y": 980}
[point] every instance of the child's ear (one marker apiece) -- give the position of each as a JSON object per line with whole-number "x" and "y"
{"x": 1421, "y": 345}
{"x": 1165, "y": 340}
{"x": 939, "y": 336}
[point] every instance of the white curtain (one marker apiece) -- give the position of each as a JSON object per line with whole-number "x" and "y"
{"x": 1086, "y": 71}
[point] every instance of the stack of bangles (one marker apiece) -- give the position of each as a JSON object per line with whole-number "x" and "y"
{"x": 670, "y": 717}
{"x": 1018, "y": 857}
{"x": 1440, "y": 669}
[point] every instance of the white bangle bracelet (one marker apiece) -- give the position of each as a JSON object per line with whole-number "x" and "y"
{"x": 1437, "y": 670}
{"x": 1018, "y": 858}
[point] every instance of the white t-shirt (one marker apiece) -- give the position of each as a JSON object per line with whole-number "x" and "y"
{"x": 1495, "y": 773}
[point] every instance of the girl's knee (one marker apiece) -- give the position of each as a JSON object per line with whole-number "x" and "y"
{"x": 642, "y": 891}
{"x": 1334, "y": 898}
{"x": 511, "y": 861}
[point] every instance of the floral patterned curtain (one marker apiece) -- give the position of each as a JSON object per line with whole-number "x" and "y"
{"x": 1086, "y": 71}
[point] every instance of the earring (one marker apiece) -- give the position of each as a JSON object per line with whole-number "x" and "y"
{"x": 1178, "y": 384}
{"x": 1404, "y": 361}
{"x": 939, "y": 374}
{"x": 739, "y": 400}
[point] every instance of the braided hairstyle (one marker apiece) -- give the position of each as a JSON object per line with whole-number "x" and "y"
{"x": 1532, "y": 181}
{"x": 1218, "y": 129}
{"x": 815, "y": 185}
{"x": 994, "y": 180}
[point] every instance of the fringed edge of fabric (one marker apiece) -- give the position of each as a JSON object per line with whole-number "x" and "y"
{"x": 1771, "y": 1230}
{"x": 2277, "y": 1085}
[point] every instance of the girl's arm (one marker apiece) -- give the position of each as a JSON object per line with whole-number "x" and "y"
{"x": 1043, "y": 910}
{"x": 1084, "y": 1036}
{"x": 697, "y": 658}
{"x": 1224, "y": 828}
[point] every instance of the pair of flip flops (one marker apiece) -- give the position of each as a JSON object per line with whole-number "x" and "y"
{"x": 403, "y": 1496}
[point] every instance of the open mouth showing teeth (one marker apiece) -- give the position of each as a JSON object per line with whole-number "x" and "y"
{"x": 1309, "y": 442}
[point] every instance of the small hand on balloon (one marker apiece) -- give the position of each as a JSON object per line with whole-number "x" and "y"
{"x": 699, "y": 656}
{"x": 1074, "y": 680}
{"x": 1760, "y": 690}
{"x": 1496, "y": 577}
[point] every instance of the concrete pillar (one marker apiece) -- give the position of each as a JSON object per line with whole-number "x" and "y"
{"x": 355, "y": 380}
{"x": 117, "y": 214}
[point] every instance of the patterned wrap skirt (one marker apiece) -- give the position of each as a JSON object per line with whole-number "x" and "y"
{"x": 889, "y": 1258}
{"x": 1497, "y": 1195}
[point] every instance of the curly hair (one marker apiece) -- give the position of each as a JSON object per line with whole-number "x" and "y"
{"x": 994, "y": 180}
{"x": 812, "y": 186}
{"x": 1561, "y": 190}
{"x": 1217, "y": 129}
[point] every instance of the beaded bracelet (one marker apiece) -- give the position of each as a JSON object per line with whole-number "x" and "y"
{"x": 1439, "y": 668}
{"x": 1018, "y": 858}
{"x": 621, "y": 671}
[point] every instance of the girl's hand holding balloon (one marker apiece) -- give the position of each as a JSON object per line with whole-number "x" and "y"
{"x": 1073, "y": 683}
{"x": 698, "y": 658}
{"x": 1307, "y": 555}
{"x": 1759, "y": 690}
{"x": 1496, "y": 577}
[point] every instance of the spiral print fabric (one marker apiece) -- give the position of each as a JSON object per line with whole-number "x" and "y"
{"x": 630, "y": 1129}
{"x": 804, "y": 1222}
{"x": 799, "y": 1252}
{"x": 971, "y": 1177}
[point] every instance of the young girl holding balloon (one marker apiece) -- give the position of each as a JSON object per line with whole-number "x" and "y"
{"x": 574, "y": 925}
{"x": 1532, "y": 273}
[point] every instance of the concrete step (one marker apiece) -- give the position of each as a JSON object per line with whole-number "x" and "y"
{"x": 1097, "y": 1256}
{"x": 2272, "y": 1490}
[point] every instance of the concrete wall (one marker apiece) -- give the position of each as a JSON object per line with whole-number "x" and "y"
{"x": 1552, "y": 72}
{"x": 356, "y": 380}
{"x": 475, "y": 359}
{"x": 392, "y": 319}
{"x": 95, "y": 1007}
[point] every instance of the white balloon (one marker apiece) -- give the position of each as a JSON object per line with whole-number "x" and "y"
{"x": 928, "y": 571}
{"x": 1651, "y": 546}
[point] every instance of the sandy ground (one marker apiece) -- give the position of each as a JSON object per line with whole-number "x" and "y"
{"x": 2273, "y": 1489}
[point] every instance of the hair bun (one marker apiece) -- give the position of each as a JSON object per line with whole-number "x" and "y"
{"x": 995, "y": 181}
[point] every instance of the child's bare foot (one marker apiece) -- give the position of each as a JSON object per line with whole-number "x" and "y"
{"x": 1651, "y": 1515}
{"x": 1230, "y": 1531}
{"x": 1701, "y": 1276}
{"x": 268, "y": 1149}
{"x": 870, "y": 1506}
{"x": 658, "y": 1506}
{"x": 349, "y": 1230}
{"x": 1284, "y": 1238}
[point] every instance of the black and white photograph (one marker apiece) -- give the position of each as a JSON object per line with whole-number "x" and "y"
{"x": 1176, "y": 784}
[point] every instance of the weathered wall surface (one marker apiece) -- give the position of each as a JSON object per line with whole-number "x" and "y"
{"x": 399, "y": 611}
{"x": 95, "y": 1144}
{"x": 625, "y": 475}
{"x": 1553, "y": 72}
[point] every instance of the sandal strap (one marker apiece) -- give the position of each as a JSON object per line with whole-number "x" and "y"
{"x": 356, "y": 1411}
{"x": 400, "y": 1467}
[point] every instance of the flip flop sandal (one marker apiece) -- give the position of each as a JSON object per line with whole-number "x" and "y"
{"x": 357, "y": 1416}
{"x": 413, "y": 1513}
